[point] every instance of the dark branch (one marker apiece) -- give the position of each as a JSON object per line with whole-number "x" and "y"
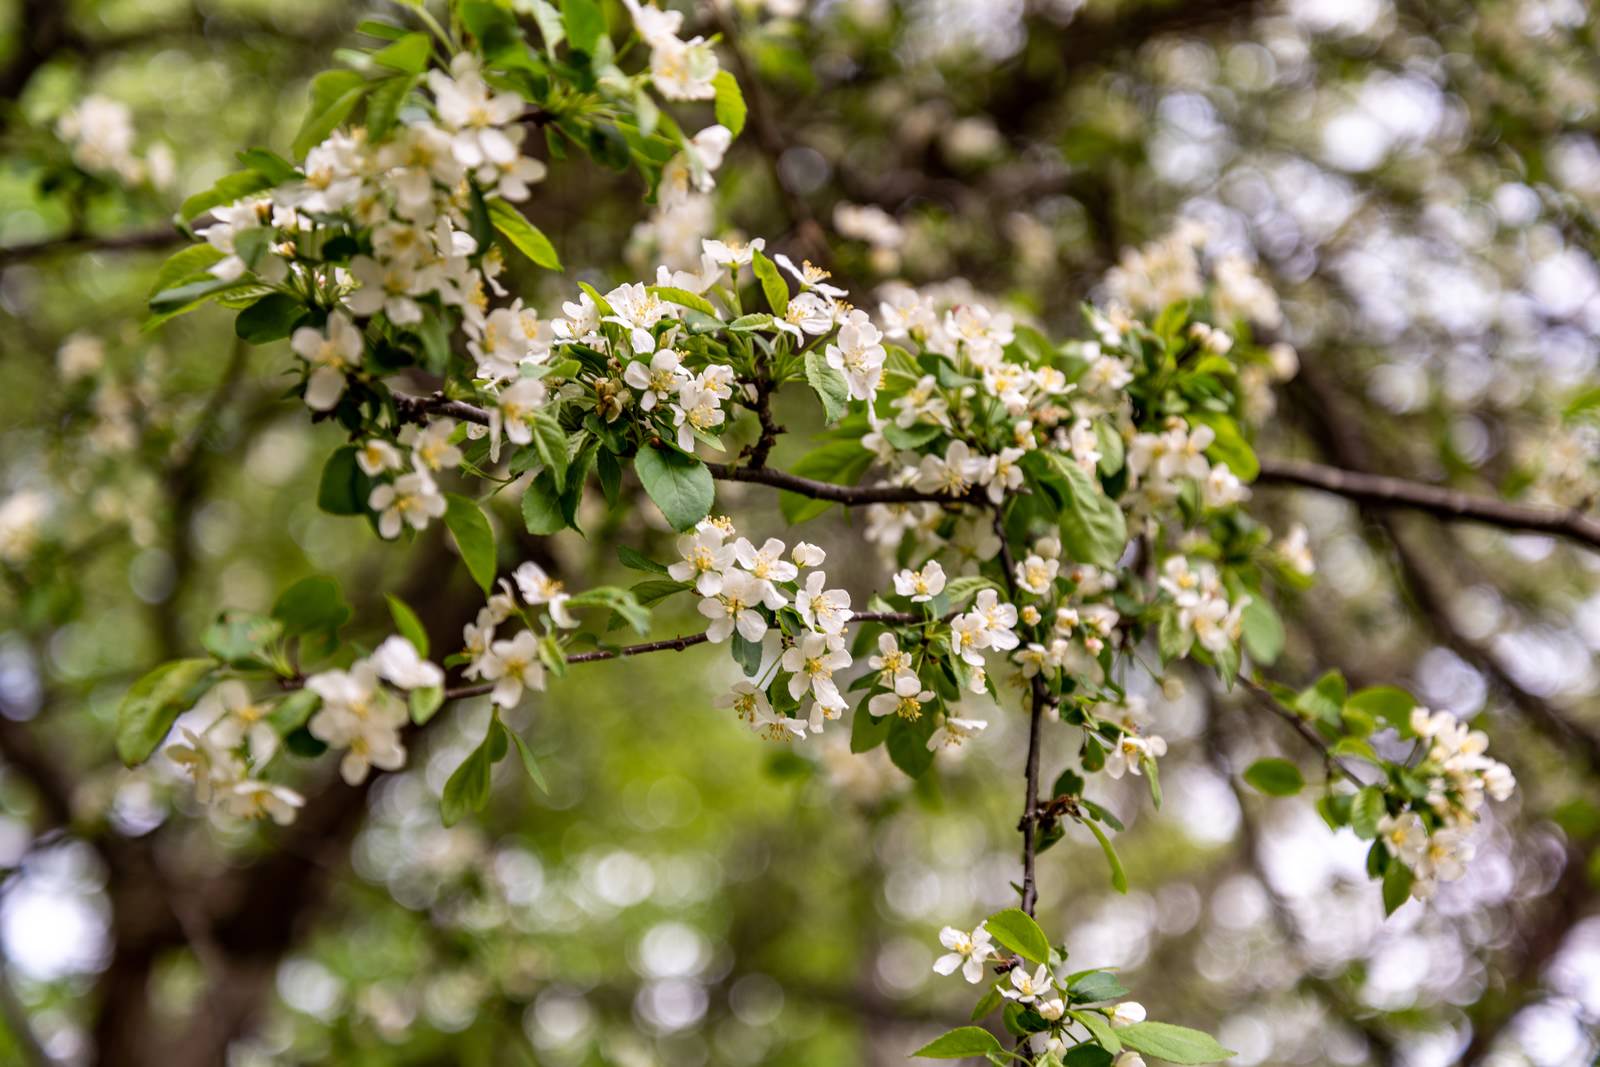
{"x": 150, "y": 240}
{"x": 1384, "y": 491}
{"x": 1301, "y": 727}
{"x": 676, "y": 644}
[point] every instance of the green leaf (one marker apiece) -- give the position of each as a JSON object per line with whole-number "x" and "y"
{"x": 841, "y": 462}
{"x": 989, "y": 1002}
{"x": 1090, "y": 987}
{"x": 680, "y": 485}
{"x": 177, "y": 297}
{"x": 1175, "y": 1044}
{"x": 1092, "y": 526}
{"x": 1228, "y": 446}
{"x": 312, "y": 606}
{"x": 1323, "y": 699}
{"x": 468, "y": 787}
{"x": 334, "y": 94}
{"x": 225, "y": 190}
{"x": 272, "y": 318}
{"x": 1366, "y": 811}
{"x": 1263, "y": 631}
{"x": 541, "y": 507}
{"x": 237, "y": 638}
{"x": 152, "y": 704}
{"x": 384, "y": 101}
{"x": 183, "y": 265}
{"x": 828, "y": 384}
{"x": 907, "y": 744}
{"x": 747, "y": 654}
{"x": 1099, "y": 1028}
{"x": 1386, "y": 704}
{"x": 730, "y": 102}
{"x": 1119, "y": 878}
{"x": 269, "y": 165}
{"x": 1016, "y": 930}
{"x": 409, "y": 626}
{"x": 291, "y": 713}
{"x": 425, "y": 703}
{"x": 621, "y": 601}
{"x": 772, "y": 283}
{"x": 960, "y": 1043}
{"x": 1275, "y": 777}
{"x": 637, "y": 561}
{"x": 1087, "y": 1055}
{"x": 551, "y": 442}
{"x": 866, "y": 731}
{"x": 585, "y": 24}
{"x": 655, "y": 590}
{"x": 524, "y": 236}
{"x": 1397, "y": 882}
{"x": 529, "y": 764}
{"x": 474, "y": 538}
{"x": 409, "y": 54}
{"x": 684, "y": 298}
{"x": 345, "y": 486}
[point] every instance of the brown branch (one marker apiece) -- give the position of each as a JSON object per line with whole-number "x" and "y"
{"x": 1038, "y": 698}
{"x": 150, "y": 240}
{"x": 676, "y": 644}
{"x": 1383, "y": 491}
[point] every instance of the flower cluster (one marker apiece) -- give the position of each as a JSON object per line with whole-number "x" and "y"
{"x": 1458, "y": 773}
{"x": 1205, "y": 612}
{"x": 99, "y": 132}
{"x": 232, "y": 735}
{"x": 1054, "y": 1004}
{"x": 516, "y": 664}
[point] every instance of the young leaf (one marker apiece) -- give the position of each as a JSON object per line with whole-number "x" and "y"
{"x": 585, "y": 24}
{"x": 1119, "y": 878}
{"x": 541, "y": 506}
{"x": 524, "y": 236}
{"x": 772, "y": 283}
{"x": 1275, "y": 777}
{"x": 237, "y": 638}
{"x": 828, "y": 384}
{"x": 312, "y": 606}
{"x": 1365, "y": 811}
{"x": 409, "y": 54}
{"x": 960, "y": 1043}
{"x": 153, "y": 702}
{"x": 1093, "y": 529}
{"x": 424, "y": 702}
{"x": 1175, "y": 1044}
{"x": 1099, "y": 1028}
{"x": 551, "y": 442}
{"x": 1396, "y": 887}
{"x": 474, "y": 538}
{"x": 529, "y": 764}
{"x": 730, "y": 102}
{"x": 684, "y": 298}
{"x": 468, "y": 787}
{"x": 1263, "y": 631}
{"x": 345, "y": 487}
{"x": 410, "y": 627}
{"x": 680, "y": 485}
{"x": 1016, "y": 930}
{"x": 635, "y": 560}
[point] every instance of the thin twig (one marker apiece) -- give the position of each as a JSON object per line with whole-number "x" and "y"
{"x": 134, "y": 241}
{"x": 1038, "y": 698}
{"x": 1301, "y": 727}
{"x": 677, "y": 644}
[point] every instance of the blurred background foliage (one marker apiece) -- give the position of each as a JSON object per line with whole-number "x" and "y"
{"x": 1418, "y": 178}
